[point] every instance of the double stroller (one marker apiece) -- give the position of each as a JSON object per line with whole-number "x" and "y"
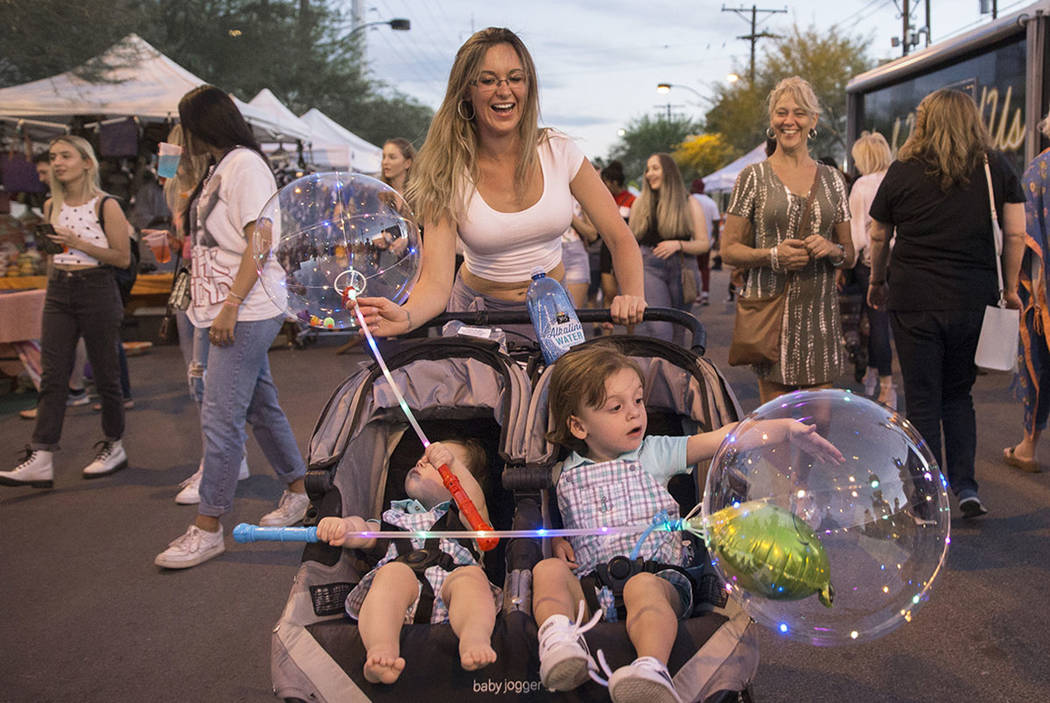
{"x": 468, "y": 387}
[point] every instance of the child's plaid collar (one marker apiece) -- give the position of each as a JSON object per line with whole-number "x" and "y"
{"x": 575, "y": 460}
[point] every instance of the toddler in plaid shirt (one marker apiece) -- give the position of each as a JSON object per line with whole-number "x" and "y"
{"x": 388, "y": 595}
{"x": 615, "y": 476}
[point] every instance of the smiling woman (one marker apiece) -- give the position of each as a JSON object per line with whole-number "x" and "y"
{"x": 787, "y": 229}
{"x": 489, "y": 175}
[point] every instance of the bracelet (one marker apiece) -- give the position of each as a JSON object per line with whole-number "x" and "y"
{"x": 408, "y": 317}
{"x": 681, "y": 246}
{"x": 842, "y": 250}
{"x": 231, "y": 294}
{"x": 231, "y": 304}
{"x": 774, "y": 260}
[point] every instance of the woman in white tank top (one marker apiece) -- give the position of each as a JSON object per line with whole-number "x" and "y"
{"x": 488, "y": 173}
{"x": 82, "y": 301}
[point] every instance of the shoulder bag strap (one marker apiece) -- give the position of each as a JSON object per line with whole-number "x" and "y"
{"x": 997, "y": 232}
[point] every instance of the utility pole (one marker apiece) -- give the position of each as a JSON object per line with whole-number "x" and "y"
{"x": 906, "y": 18}
{"x": 754, "y": 36}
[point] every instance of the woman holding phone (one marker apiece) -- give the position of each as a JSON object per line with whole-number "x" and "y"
{"x": 90, "y": 239}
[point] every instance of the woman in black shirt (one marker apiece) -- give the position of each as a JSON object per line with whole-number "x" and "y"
{"x": 943, "y": 270}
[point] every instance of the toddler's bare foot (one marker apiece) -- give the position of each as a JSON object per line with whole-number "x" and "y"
{"x": 383, "y": 667}
{"x": 474, "y": 655}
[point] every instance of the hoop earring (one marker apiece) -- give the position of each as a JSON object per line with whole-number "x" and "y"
{"x": 813, "y": 133}
{"x": 460, "y": 111}
{"x": 770, "y": 134}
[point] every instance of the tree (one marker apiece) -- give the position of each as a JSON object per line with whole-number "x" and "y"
{"x": 703, "y": 154}
{"x": 828, "y": 60}
{"x": 645, "y": 136}
{"x": 302, "y": 51}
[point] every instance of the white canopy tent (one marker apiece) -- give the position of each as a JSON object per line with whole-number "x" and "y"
{"x": 291, "y": 125}
{"x": 141, "y": 82}
{"x": 725, "y": 177}
{"x": 334, "y": 146}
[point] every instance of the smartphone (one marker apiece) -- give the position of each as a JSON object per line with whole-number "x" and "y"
{"x": 44, "y": 242}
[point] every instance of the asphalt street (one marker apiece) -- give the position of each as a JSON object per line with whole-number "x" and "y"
{"x": 85, "y": 615}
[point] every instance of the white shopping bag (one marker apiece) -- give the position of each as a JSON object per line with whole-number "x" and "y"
{"x": 997, "y": 345}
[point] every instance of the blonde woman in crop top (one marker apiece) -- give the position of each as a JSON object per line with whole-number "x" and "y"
{"x": 488, "y": 173}
{"x": 82, "y": 301}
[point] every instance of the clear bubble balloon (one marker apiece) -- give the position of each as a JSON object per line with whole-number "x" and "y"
{"x": 821, "y": 552}
{"x": 326, "y": 234}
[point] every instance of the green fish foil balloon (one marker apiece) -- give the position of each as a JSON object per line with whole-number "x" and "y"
{"x": 768, "y": 551}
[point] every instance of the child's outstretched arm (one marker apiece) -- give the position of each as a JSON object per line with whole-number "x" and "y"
{"x": 704, "y": 445}
{"x": 438, "y": 454}
{"x": 333, "y": 531}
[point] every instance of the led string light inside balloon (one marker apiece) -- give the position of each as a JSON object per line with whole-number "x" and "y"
{"x": 466, "y": 506}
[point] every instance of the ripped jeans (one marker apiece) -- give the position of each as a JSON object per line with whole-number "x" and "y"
{"x": 239, "y": 389}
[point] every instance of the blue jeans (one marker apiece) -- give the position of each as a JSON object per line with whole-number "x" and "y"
{"x": 663, "y": 289}
{"x": 238, "y": 388}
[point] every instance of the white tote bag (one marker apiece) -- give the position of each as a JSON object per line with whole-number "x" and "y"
{"x": 997, "y": 345}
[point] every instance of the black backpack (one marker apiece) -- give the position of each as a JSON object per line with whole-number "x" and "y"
{"x": 125, "y": 277}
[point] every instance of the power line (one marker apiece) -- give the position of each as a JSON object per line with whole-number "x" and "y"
{"x": 754, "y": 36}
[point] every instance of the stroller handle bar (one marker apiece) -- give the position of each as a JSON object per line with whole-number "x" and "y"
{"x": 486, "y": 318}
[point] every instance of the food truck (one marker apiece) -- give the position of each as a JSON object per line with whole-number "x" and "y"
{"x": 1001, "y": 64}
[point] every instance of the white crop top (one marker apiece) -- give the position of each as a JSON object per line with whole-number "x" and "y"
{"x": 82, "y": 219}
{"x": 507, "y": 246}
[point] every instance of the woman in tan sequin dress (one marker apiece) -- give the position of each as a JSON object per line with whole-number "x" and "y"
{"x": 764, "y": 236}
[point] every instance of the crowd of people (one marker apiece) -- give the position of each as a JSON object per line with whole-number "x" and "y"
{"x": 510, "y": 196}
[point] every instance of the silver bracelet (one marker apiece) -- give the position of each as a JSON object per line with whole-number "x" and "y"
{"x": 408, "y": 317}
{"x": 774, "y": 260}
{"x": 842, "y": 250}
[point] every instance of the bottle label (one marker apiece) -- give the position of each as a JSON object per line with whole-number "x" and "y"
{"x": 566, "y": 332}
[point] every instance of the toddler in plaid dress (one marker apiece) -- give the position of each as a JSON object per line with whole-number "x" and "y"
{"x": 387, "y": 596}
{"x": 616, "y": 475}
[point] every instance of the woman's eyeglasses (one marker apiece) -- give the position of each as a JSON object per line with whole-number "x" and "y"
{"x": 488, "y": 82}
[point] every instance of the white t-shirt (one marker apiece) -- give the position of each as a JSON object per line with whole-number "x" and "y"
{"x": 710, "y": 212}
{"x": 507, "y": 246}
{"x": 233, "y": 195}
{"x": 860, "y": 197}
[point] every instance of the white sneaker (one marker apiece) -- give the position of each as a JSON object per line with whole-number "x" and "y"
{"x": 191, "y": 487}
{"x": 565, "y": 661}
{"x": 290, "y": 510}
{"x": 194, "y": 547}
{"x": 35, "y": 470}
{"x": 110, "y": 459}
{"x": 644, "y": 679}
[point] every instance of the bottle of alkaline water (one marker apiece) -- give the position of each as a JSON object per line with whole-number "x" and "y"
{"x": 553, "y": 315}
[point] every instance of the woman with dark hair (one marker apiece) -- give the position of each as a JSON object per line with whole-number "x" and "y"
{"x": 82, "y": 300}
{"x": 934, "y": 201}
{"x": 235, "y": 323}
{"x": 766, "y": 237}
{"x": 398, "y": 155}
{"x": 616, "y": 182}
{"x": 671, "y": 229}
{"x": 489, "y": 174}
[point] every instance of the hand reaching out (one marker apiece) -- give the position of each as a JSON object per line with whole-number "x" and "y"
{"x": 805, "y": 437}
{"x": 384, "y": 317}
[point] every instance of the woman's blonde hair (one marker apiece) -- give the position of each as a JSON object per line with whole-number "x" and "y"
{"x": 674, "y": 220}
{"x": 871, "y": 153}
{"x": 949, "y": 137}
{"x": 799, "y": 89}
{"x": 94, "y": 185}
{"x": 189, "y": 173}
{"x": 449, "y": 155}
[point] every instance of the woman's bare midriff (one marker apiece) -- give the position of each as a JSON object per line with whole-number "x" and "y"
{"x": 513, "y": 291}
{"x": 75, "y": 267}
